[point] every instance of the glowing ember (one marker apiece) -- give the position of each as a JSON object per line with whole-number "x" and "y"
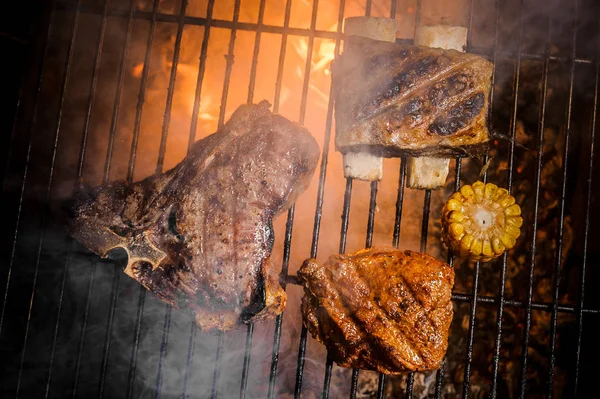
{"x": 137, "y": 70}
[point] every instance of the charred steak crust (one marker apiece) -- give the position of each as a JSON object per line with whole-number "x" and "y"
{"x": 398, "y": 99}
{"x": 380, "y": 309}
{"x": 199, "y": 236}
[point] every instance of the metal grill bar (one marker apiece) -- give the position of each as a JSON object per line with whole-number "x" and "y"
{"x": 317, "y": 223}
{"x": 371, "y": 220}
{"x": 502, "y": 302}
{"x": 343, "y": 238}
{"x": 30, "y": 128}
{"x": 81, "y": 343}
{"x": 282, "y": 51}
{"x": 130, "y": 171}
{"x": 559, "y": 245}
{"x": 542, "y": 118}
{"x": 190, "y": 356}
{"x": 309, "y": 51}
{"x": 425, "y": 220}
{"x": 254, "y": 67}
{"x": 116, "y": 274}
{"x": 586, "y": 226}
{"x": 410, "y": 377}
{"x": 159, "y": 167}
{"x": 219, "y": 355}
{"x": 368, "y": 244}
{"x": 439, "y": 375}
{"x": 399, "y": 203}
{"x": 191, "y": 140}
{"x": 290, "y": 218}
{"x": 229, "y": 63}
{"x": 170, "y": 91}
{"x": 62, "y": 96}
{"x": 278, "y": 322}
{"x": 342, "y": 249}
{"x": 248, "y": 349}
{"x": 354, "y": 383}
{"x": 201, "y": 72}
{"x": 500, "y": 312}
{"x": 300, "y": 365}
{"x": 470, "y": 336}
{"x": 228, "y": 68}
{"x": 82, "y": 151}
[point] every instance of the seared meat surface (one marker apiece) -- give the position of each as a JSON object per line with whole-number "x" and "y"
{"x": 199, "y": 236}
{"x": 394, "y": 99}
{"x": 380, "y": 309}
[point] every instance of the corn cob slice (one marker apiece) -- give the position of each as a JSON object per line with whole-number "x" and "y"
{"x": 481, "y": 221}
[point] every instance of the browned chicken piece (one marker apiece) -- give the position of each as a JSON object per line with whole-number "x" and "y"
{"x": 380, "y": 309}
{"x": 394, "y": 99}
{"x": 199, "y": 236}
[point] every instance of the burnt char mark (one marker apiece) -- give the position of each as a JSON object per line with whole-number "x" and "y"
{"x": 259, "y": 298}
{"x": 458, "y": 117}
{"x": 411, "y": 113}
{"x": 448, "y": 87}
{"x": 410, "y": 76}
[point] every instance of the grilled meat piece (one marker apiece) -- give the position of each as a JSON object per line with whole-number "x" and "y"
{"x": 393, "y": 99}
{"x": 380, "y": 309}
{"x": 199, "y": 236}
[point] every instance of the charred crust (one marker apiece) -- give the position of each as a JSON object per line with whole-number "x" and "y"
{"x": 458, "y": 117}
{"x": 451, "y": 86}
{"x": 258, "y": 302}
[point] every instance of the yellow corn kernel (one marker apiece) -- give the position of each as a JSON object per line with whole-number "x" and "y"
{"x": 512, "y": 230}
{"x": 508, "y": 240}
{"x": 455, "y": 217}
{"x": 497, "y": 246}
{"x": 516, "y": 221}
{"x": 467, "y": 192}
{"x": 453, "y": 205}
{"x": 507, "y": 201}
{"x": 466, "y": 242}
{"x": 486, "y": 248}
{"x": 489, "y": 190}
{"x": 476, "y": 247}
{"x": 457, "y": 196}
{"x": 457, "y": 230}
{"x": 478, "y": 189}
{"x": 513, "y": 210}
{"x": 500, "y": 193}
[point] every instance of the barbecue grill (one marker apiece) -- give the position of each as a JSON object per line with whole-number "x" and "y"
{"x": 120, "y": 89}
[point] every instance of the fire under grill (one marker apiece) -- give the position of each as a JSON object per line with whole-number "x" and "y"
{"x": 120, "y": 90}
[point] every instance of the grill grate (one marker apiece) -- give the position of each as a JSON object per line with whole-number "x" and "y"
{"x": 181, "y": 20}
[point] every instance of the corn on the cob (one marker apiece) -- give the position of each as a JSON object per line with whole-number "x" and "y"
{"x": 481, "y": 221}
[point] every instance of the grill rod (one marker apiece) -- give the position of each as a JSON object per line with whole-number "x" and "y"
{"x": 290, "y": 218}
{"x": 191, "y": 140}
{"x": 71, "y": 242}
{"x": 226, "y": 81}
{"x": 159, "y": 168}
{"x": 248, "y": 350}
{"x": 586, "y": 226}
{"x": 62, "y": 96}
